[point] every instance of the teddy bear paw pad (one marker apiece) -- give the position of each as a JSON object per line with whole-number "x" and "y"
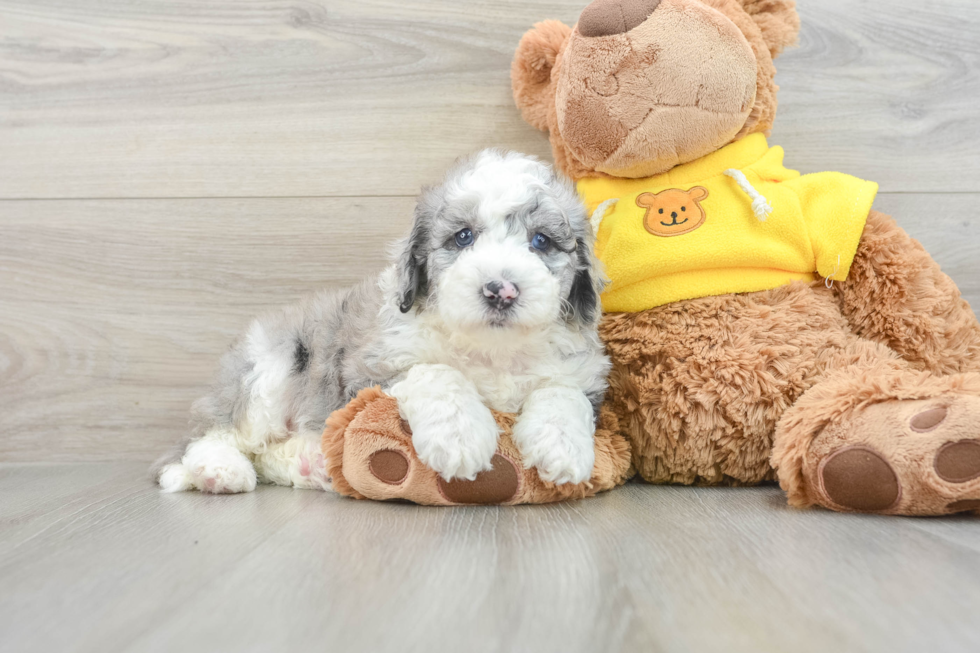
{"x": 389, "y": 466}
{"x": 929, "y": 420}
{"x": 860, "y": 479}
{"x": 499, "y": 484}
{"x": 958, "y": 462}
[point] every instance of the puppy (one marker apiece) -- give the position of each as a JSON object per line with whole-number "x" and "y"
{"x": 493, "y": 303}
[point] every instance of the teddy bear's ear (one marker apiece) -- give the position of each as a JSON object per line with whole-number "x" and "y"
{"x": 646, "y": 201}
{"x": 530, "y": 74}
{"x": 778, "y": 21}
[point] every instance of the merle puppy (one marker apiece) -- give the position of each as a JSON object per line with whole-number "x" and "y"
{"x": 493, "y": 302}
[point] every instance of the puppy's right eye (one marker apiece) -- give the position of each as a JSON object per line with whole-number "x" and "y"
{"x": 661, "y": 211}
{"x": 464, "y": 238}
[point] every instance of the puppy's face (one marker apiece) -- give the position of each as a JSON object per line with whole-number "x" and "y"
{"x": 502, "y": 243}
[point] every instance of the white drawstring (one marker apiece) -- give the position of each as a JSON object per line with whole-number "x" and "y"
{"x": 600, "y": 213}
{"x": 829, "y": 281}
{"x": 760, "y": 205}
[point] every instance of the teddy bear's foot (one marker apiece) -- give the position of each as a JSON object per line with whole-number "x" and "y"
{"x": 394, "y": 468}
{"x": 370, "y": 455}
{"x": 914, "y": 457}
{"x": 899, "y": 456}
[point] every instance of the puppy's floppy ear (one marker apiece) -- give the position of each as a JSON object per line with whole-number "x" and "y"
{"x": 530, "y": 74}
{"x": 413, "y": 278}
{"x": 587, "y": 286}
{"x": 582, "y": 304}
{"x": 778, "y": 21}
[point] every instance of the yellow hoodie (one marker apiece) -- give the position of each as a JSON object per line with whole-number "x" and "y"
{"x": 703, "y": 229}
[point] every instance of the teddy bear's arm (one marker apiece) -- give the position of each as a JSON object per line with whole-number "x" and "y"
{"x": 897, "y": 295}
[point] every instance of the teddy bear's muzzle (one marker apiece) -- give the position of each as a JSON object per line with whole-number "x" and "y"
{"x": 632, "y": 99}
{"x": 608, "y": 17}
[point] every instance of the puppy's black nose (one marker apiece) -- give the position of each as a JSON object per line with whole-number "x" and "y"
{"x": 500, "y": 294}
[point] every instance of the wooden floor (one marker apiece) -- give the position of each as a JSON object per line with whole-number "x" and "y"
{"x": 169, "y": 168}
{"x": 94, "y": 559}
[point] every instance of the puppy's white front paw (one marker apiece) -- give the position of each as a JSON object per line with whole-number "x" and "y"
{"x": 460, "y": 446}
{"x": 453, "y": 433}
{"x": 560, "y": 457}
{"x": 556, "y": 435}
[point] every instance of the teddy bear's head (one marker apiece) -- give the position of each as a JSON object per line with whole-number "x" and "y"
{"x": 640, "y": 86}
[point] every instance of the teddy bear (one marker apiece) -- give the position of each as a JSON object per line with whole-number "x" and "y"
{"x": 763, "y": 325}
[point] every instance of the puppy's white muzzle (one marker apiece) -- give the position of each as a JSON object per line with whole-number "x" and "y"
{"x": 498, "y": 284}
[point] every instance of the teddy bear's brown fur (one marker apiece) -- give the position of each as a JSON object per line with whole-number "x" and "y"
{"x": 863, "y": 395}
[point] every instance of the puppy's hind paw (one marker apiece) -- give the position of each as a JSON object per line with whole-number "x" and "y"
{"x": 217, "y": 468}
{"x": 175, "y": 478}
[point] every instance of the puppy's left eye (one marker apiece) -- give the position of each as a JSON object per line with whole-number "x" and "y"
{"x": 464, "y": 238}
{"x": 540, "y": 242}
